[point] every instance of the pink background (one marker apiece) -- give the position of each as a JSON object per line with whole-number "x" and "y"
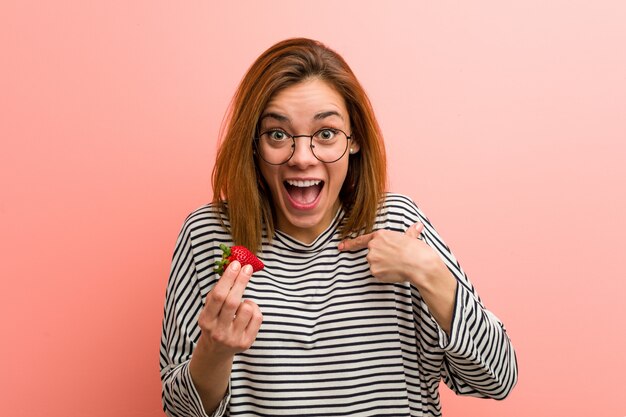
{"x": 506, "y": 121}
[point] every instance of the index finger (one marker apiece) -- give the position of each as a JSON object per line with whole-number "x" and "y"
{"x": 227, "y": 279}
{"x": 358, "y": 243}
{"x": 220, "y": 291}
{"x": 233, "y": 299}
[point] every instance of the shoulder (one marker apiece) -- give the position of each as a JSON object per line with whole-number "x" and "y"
{"x": 399, "y": 204}
{"x": 206, "y": 222}
{"x": 399, "y": 211}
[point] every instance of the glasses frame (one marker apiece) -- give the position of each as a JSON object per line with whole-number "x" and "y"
{"x": 293, "y": 144}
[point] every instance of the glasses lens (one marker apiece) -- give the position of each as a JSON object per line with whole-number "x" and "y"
{"x": 275, "y": 146}
{"x": 329, "y": 145}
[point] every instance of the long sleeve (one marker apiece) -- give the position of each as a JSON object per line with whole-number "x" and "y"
{"x": 183, "y": 303}
{"x": 479, "y": 359}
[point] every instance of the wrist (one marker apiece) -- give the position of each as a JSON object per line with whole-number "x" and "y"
{"x": 210, "y": 371}
{"x": 207, "y": 351}
{"x": 428, "y": 274}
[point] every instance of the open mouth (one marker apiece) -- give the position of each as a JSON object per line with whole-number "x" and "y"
{"x": 304, "y": 192}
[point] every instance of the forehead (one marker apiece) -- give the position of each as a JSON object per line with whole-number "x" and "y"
{"x": 306, "y": 99}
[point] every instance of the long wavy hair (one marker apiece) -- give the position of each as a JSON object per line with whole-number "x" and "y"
{"x": 239, "y": 190}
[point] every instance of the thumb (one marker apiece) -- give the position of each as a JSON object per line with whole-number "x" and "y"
{"x": 415, "y": 230}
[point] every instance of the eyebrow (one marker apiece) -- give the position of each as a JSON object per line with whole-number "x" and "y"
{"x": 325, "y": 114}
{"x": 277, "y": 116}
{"x": 319, "y": 116}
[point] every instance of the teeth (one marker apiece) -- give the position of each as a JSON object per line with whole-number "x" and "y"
{"x": 305, "y": 183}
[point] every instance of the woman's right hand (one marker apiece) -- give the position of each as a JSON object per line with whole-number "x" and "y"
{"x": 230, "y": 325}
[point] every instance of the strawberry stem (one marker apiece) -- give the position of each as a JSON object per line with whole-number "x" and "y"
{"x": 223, "y": 263}
{"x": 225, "y": 249}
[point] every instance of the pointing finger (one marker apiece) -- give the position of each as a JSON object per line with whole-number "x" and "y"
{"x": 357, "y": 243}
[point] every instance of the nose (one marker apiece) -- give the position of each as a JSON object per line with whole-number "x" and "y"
{"x": 303, "y": 154}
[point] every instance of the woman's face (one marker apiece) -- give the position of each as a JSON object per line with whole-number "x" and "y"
{"x": 306, "y": 190}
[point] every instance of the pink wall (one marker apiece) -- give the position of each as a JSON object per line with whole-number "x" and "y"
{"x": 506, "y": 122}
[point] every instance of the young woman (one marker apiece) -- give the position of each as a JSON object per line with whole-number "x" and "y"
{"x": 361, "y": 308}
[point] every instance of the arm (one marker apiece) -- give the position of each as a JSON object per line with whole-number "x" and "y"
{"x": 228, "y": 325}
{"x": 479, "y": 358}
{"x": 199, "y": 342}
{"x": 182, "y": 304}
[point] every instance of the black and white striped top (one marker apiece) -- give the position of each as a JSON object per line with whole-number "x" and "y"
{"x": 334, "y": 340}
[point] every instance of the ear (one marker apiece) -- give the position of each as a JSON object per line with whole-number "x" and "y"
{"x": 354, "y": 147}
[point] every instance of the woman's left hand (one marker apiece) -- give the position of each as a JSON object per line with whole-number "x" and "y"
{"x": 404, "y": 257}
{"x": 398, "y": 257}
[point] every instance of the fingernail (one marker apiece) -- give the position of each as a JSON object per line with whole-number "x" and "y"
{"x": 341, "y": 246}
{"x": 235, "y": 265}
{"x": 247, "y": 269}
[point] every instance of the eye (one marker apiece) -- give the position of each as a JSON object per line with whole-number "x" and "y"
{"x": 326, "y": 134}
{"x": 277, "y": 135}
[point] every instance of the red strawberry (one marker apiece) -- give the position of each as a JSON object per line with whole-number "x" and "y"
{"x": 237, "y": 253}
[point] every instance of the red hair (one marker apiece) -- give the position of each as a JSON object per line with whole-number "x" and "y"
{"x": 239, "y": 189}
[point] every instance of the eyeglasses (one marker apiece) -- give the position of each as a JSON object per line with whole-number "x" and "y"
{"x": 276, "y": 147}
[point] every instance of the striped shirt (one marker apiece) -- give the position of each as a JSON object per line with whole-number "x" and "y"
{"x": 334, "y": 340}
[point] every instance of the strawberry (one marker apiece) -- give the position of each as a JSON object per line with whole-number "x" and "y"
{"x": 237, "y": 253}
